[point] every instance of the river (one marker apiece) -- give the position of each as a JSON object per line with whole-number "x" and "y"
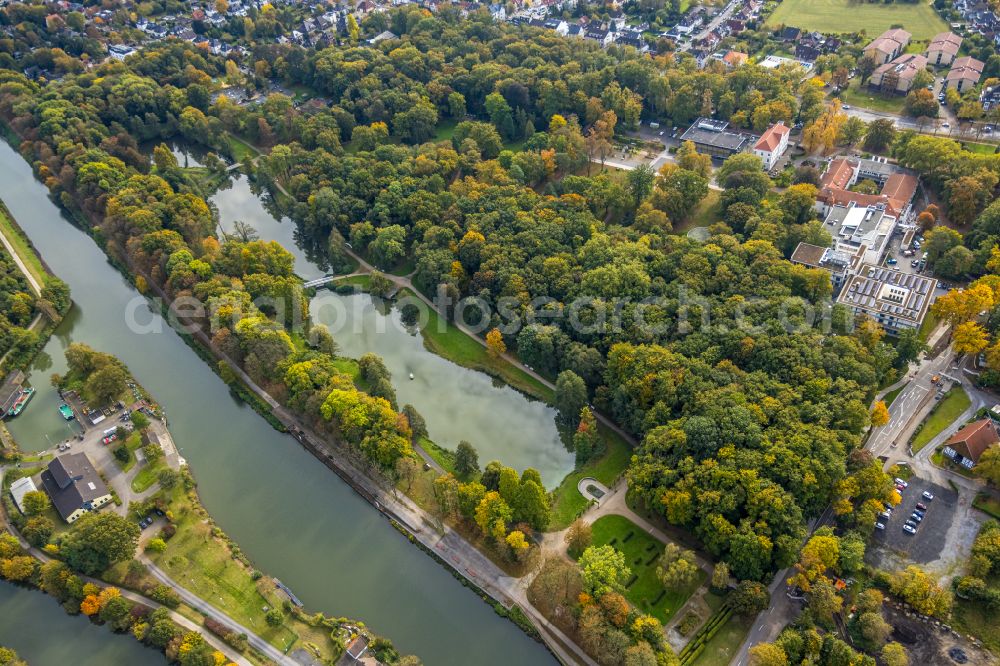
{"x": 32, "y": 619}
{"x": 457, "y": 403}
{"x": 290, "y": 515}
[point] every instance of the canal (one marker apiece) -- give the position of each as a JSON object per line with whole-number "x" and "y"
{"x": 293, "y": 518}
{"x": 457, "y": 403}
{"x": 32, "y": 620}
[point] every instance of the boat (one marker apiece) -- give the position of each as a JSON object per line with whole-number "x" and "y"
{"x": 66, "y": 411}
{"x": 411, "y": 375}
{"x": 21, "y": 401}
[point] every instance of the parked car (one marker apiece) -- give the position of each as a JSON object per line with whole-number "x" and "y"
{"x": 900, "y": 488}
{"x": 916, "y": 517}
{"x": 920, "y": 513}
{"x": 928, "y": 496}
{"x": 846, "y": 107}
{"x": 921, "y": 506}
{"x": 913, "y": 264}
{"x": 945, "y": 125}
{"x": 909, "y": 530}
{"x": 109, "y": 439}
{"x": 879, "y": 526}
{"x": 900, "y": 482}
{"x": 886, "y": 515}
{"x": 912, "y": 523}
{"x": 891, "y": 261}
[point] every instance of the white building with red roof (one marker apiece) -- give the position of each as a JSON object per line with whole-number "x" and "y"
{"x": 772, "y": 144}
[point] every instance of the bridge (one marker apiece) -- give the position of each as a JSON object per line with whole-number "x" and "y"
{"x": 319, "y": 282}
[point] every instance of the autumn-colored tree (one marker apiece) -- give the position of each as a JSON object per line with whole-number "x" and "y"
{"x": 880, "y": 414}
{"x": 961, "y": 306}
{"x": 518, "y": 544}
{"x": 495, "y": 344}
{"x": 90, "y": 605}
{"x": 767, "y": 654}
{"x": 988, "y": 466}
{"x": 969, "y": 338}
{"x": 894, "y": 654}
{"x": 578, "y": 536}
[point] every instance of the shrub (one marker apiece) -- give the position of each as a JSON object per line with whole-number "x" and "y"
{"x": 165, "y": 595}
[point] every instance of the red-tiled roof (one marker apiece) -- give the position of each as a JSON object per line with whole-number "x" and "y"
{"x": 972, "y": 440}
{"x": 771, "y": 139}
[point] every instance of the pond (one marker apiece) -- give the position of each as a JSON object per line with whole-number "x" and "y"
{"x": 457, "y": 403}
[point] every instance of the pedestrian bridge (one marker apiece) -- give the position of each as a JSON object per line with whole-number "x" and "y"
{"x": 319, "y": 282}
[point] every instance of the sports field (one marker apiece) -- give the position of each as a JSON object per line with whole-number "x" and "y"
{"x": 853, "y": 16}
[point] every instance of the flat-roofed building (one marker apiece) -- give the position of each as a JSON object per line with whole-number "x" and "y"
{"x": 853, "y": 227}
{"x": 838, "y": 263}
{"x": 713, "y": 137}
{"x": 943, "y": 49}
{"x": 895, "y": 300}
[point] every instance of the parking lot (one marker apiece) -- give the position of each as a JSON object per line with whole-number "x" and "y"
{"x": 927, "y": 544}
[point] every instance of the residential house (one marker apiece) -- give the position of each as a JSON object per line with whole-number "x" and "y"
{"x": 964, "y": 74}
{"x": 772, "y": 145}
{"x": 897, "y": 77}
{"x": 943, "y": 49}
{"x": 967, "y": 445}
{"x": 74, "y": 486}
{"x": 887, "y": 46}
{"x": 598, "y": 34}
{"x": 498, "y": 12}
{"x": 790, "y": 34}
{"x": 120, "y": 51}
{"x": 734, "y": 59}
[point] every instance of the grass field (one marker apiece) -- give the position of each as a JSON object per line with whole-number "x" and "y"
{"x": 944, "y": 414}
{"x": 707, "y": 212}
{"x": 241, "y": 150}
{"x": 22, "y": 246}
{"x": 857, "y": 96}
{"x": 719, "y": 650}
{"x": 641, "y": 554}
{"x": 567, "y": 502}
{"x": 979, "y": 148}
{"x": 833, "y": 16}
{"x": 200, "y": 561}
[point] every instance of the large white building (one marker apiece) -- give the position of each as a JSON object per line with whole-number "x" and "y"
{"x": 772, "y": 144}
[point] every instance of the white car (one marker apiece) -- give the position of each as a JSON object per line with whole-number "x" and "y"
{"x": 880, "y": 526}
{"x": 900, "y": 482}
{"x": 909, "y": 530}
{"x": 927, "y": 496}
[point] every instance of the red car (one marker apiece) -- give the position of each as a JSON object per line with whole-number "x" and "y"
{"x": 109, "y": 439}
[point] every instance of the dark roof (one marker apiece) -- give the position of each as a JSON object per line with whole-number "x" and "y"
{"x": 80, "y": 484}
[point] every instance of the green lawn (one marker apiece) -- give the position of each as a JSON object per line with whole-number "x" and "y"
{"x": 146, "y": 476}
{"x": 448, "y": 342}
{"x": 363, "y": 282}
{"x": 988, "y": 505}
{"x": 567, "y": 502}
{"x": 641, "y": 554}
{"x": 707, "y": 212}
{"x": 445, "y": 130}
{"x": 241, "y": 150}
{"x": 441, "y": 456}
{"x": 719, "y": 649}
{"x": 855, "y": 95}
{"x": 928, "y": 325}
{"x": 22, "y": 246}
{"x": 840, "y": 16}
{"x": 979, "y": 148}
{"x": 891, "y": 396}
{"x": 944, "y": 414}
